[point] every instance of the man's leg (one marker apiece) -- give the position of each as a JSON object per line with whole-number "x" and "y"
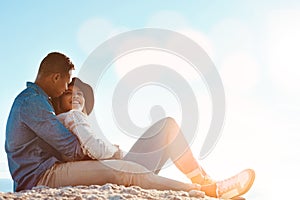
{"x": 129, "y": 173}
{"x": 111, "y": 171}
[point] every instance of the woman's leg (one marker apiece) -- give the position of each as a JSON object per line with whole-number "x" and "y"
{"x": 165, "y": 140}
{"x": 162, "y": 141}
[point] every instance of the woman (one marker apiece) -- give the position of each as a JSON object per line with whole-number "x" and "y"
{"x": 152, "y": 152}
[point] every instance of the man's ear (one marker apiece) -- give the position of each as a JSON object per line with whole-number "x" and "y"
{"x": 55, "y": 77}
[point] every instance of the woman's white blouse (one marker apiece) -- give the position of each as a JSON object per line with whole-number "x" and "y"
{"x": 77, "y": 123}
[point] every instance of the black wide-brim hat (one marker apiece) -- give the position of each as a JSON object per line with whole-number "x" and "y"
{"x": 87, "y": 92}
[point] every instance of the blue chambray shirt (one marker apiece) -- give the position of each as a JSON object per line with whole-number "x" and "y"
{"x": 35, "y": 139}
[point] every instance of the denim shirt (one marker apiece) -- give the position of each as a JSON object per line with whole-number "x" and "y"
{"x": 35, "y": 138}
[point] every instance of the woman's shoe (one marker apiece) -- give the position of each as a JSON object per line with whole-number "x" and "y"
{"x": 236, "y": 185}
{"x": 208, "y": 181}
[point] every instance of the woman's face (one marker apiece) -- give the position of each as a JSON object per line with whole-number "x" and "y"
{"x": 73, "y": 98}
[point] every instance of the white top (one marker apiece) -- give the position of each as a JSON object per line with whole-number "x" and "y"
{"x": 77, "y": 122}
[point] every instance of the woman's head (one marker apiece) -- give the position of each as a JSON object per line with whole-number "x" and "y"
{"x": 79, "y": 96}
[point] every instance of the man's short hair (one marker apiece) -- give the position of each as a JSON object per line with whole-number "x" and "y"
{"x": 55, "y": 62}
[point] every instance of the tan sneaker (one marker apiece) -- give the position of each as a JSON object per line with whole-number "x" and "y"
{"x": 236, "y": 185}
{"x": 208, "y": 181}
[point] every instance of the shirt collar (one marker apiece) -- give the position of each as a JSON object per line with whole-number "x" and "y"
{"x": 37, "y": 88}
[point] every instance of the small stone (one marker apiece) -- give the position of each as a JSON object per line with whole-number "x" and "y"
{"x": 94, "y": 187}
{"x": 196, "y": 193}
{"x": 106, "y": 187}
{"x": 115, "y": 197}
{"x": 130, "y": 191}
{"x": 78, "y": 198}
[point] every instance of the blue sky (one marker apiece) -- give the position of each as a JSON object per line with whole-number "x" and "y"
{"x": 254, "y": 45}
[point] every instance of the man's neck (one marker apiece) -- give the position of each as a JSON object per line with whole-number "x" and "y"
{"x": 43, "y": 84}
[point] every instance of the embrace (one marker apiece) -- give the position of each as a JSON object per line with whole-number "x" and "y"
{"x": 50, "y": 142}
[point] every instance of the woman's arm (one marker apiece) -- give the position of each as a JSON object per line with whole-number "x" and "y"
{"x": 96, "y": 148}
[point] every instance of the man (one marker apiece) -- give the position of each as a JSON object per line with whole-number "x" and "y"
{"x": 35, "y": 139}
{"x": 41, "y": 151}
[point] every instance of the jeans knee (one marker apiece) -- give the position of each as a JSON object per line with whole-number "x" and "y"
{"x": 170, "y": 120}
{"x": 171, "y": 123}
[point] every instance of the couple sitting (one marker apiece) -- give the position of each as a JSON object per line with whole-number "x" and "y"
{"x": 49, "y": 142}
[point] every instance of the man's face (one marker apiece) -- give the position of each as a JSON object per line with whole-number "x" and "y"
{"x": 62, "y": 84}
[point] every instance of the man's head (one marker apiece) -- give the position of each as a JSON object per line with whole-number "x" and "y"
{"x": 54, "y": 74}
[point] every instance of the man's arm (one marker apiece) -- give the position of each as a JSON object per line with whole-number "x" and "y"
{"x": 38, "y": 115}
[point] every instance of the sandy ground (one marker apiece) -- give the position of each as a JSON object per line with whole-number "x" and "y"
{"x": 107, "y": 191}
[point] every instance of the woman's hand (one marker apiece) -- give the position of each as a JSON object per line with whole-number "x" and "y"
{"x": 118, "y": 154}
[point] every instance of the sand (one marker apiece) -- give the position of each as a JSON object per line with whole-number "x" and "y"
{"x": 107, "y": 191}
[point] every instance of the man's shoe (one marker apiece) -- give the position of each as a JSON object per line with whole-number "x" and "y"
{"x": 236, "y": 185}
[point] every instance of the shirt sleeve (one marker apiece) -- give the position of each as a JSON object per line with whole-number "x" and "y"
{"x": 96, "y": 148}
{"x": 38, "y": 114}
